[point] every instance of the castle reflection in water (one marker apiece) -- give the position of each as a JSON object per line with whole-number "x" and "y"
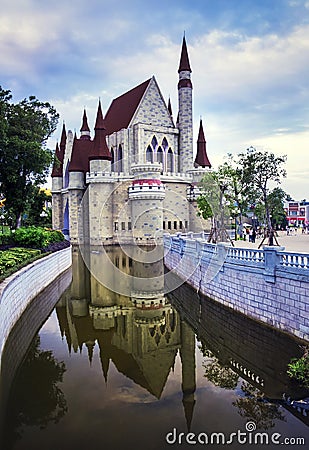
{"x": 140, "y": 334}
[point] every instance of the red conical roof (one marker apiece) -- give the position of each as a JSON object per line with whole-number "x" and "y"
{"x": 63, "y": 139}
{"x": 100, "y": 149}
{"x": 85, "y": 130}
{"x": 184, "y": 58}
{"x": 201, "y": 154}
{"x": 58, "y": 163}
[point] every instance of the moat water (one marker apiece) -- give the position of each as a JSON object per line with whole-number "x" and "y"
{"x": 109, "y": 370}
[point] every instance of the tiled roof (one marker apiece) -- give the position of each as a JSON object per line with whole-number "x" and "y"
{"x": 122, "y": 109}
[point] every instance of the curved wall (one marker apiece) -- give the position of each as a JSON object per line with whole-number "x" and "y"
{"x": 17, "y": 291}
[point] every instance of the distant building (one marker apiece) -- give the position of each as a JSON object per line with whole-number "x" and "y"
{"x": 137, "y": 176}
{"x": 297, "y": 213}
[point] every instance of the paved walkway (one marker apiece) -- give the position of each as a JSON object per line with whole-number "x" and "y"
{"x": 295, "y": 243}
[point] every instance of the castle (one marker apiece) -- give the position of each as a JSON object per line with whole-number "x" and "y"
{"x": 137, "y": 177}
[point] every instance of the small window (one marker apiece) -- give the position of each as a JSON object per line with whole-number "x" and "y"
{"x": 116, "y": 226}
{"x": 175, "y": 224}
{"x": 169, "y": 225}
{"x": 186, "y": 224}
{"x": 129, "y": 226}
{"x": 164, "y": 225}
{"x": 180, "y": 224}
{"x": 123, "y": 226}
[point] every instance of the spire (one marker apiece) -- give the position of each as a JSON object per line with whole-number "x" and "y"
{"x": 201, "y": 154}
{"x": 100, "y": 148}
{"x": 99, "y": 124}
{"x": 85, "y": 130}
{"x": 63, "y": 139}
{"x": 58, "y": 163}
{"x": 169, "y": 107}
{"x": 184, "y": 64}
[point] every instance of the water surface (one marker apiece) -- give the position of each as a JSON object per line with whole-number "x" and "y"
{"x": 111, "y": 371}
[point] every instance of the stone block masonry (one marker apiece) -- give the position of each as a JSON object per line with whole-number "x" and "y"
{"x": 269, "y": 285}
{"x": 18, "y": 290}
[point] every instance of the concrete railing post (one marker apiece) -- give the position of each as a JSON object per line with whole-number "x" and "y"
{"x": 272, "y": 259}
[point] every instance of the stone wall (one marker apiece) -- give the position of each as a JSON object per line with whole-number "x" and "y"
{"x": 18, "y": 290}
{"x": 269, "y": 285}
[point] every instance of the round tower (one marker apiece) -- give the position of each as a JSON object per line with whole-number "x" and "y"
{"x": 185, "y": 122}
{"x": 146, "y": 195}
{"x": 101, "y": 186}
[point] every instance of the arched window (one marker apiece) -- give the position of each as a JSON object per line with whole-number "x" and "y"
{"x": 160, "y": 156}
{"x": 154, "y": 143}
{"x": 119, "y": 159}
{"x": 165, "y": 144}
{"x": 113, "y": 159}
{"x": 149, "y": 154}
{"x": 170, "y": 160}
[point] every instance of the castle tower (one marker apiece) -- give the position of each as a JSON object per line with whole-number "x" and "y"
{"x": 146, "y": 195}
{"x": 187, "y": 355}
{"x": 101, "y": 185}
{"x": 57, "y": 184}
{"x": 76, "y": 191}
{"x": 201, "y": 166}
{"x": 185, "y": 122}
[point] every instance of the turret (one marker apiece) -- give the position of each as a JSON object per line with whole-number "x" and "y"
{"x": 57, "y": 185}
{"x": 185, "y": 122}
{"x": 85, "y": 130}
{"x": 147, "y": 189}
{"x": 201, "y": 158}
{"x": 100, "y": 158}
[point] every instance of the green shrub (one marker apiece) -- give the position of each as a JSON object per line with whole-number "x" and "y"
{"x": 36, "y": 237}
{"x": 299, "y": 369}
{"x": 15, "y": 258}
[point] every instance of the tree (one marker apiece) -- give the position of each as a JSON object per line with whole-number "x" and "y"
{"x": 263, "y": 167}
{"x": 275, "y": 201}
{"x": 24, "y": 158}
{"x": 212, "y": 202}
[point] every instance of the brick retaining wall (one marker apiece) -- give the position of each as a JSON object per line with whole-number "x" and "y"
{"x": 18, "y": 290}
{"x": 269, "y": 285}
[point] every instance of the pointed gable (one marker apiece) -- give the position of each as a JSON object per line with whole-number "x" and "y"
{"x": 152, "y": 109}
{"x": 122, "y": 109}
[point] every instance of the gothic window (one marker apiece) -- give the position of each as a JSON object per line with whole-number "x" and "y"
{"x": 170, "y": 160}
{"x": 149, "y": 154}
{"x": 154, "y": 143}
{"x": 113, "y": 159}
{"x": 119, "y": 159}
{"x": 164, "y": 144}
{"x": 160, "y": 156}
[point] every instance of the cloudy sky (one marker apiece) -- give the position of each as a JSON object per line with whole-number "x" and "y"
{"x": 249, "y": 60}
